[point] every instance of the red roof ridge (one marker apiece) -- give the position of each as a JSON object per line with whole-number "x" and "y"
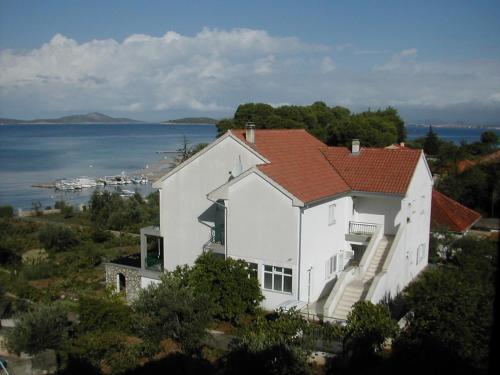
{"x": 445, "y": 205}
{"x": 333, "y": 166}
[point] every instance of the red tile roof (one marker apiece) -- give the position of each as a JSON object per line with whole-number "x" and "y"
{"x": 375, "y": 169}
{"x": 310, "y": 170}
{"x": 451, "y": 215}
{"x": 296, "y": 163}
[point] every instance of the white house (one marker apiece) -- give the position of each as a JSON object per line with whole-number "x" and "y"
{"x": 326, "y": 226}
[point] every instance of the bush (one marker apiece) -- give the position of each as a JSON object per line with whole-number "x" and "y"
{"x": 39, "y": 271}
{"x": 226, "y": 282}
{"x": 57, "y": 238}
{"x": 368, "y": 326}
{"x": 104, "y": 351}
{"x": 102, "y": 314}
{"x": 6, "y": 212}
{"x": 275, "y": 344}
{"x": 98, "y": 235}
{"x": 44, "y": 328}
{"x": 171, "y": 310}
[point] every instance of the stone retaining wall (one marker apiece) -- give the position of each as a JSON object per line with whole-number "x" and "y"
{"x": 132, "y": 279}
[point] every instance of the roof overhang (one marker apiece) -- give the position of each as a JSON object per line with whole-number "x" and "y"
{"x": 222, "y": 192}
{"x": 228, "y": 134}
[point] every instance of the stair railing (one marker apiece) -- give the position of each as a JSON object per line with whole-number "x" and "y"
{"x": 370, "y": 251}
{"x": 374, "y": 295}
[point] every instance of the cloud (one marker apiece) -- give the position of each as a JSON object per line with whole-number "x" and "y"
{"x": 327, "y": 65}
{"x": 408, "y": 52}
{"x": 215, "y": 70}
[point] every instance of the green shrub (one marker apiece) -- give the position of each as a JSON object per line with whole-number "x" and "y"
{"x": 98, "y": 235}
{"x": 57, "y": 238}
{"x": 227, "y": 283}
{"x": 39, "y": 271}
{"x": 104, "y": 349}
{"x": 172, "y": 310}
{"x": 368, "y": 326}
{"x": 46, "y": 327}
{"x": 101, "y": 314}
{"x": 6, "y": 211}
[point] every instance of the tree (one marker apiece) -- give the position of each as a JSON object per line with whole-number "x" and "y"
{"x": 173, "y": 310}
{"x": 431, "y": 142}
{"x": 226, "y": 282}
{"x": 46, "y": 327}
{"x": 489, "y": 137}
{"x": 6, "y": 211}
{"x": 333, "y": 125}
{"x": 57, "y": 238}
{"x": 452, "y": 311}
{"x": 368, "y": 327}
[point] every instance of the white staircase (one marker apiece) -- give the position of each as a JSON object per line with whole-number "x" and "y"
{"x": 355, "y": 290}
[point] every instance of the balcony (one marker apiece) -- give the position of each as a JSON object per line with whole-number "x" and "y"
{"x": 216, "y": 242}
{"x": 360, "y": 232}
{"x": 152, "y": 249}
{"x": 356, "y": 227}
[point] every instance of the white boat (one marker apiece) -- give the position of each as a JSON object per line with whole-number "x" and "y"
{"x": 86, "y": 182}
{"x": 65, "y": 184}
{"x": 140, "y": 180}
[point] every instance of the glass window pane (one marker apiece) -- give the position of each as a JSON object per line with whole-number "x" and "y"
{"x": 287, "y": 287}
{"x": 268, "y": 281}
{"x": 278, "y": 283}
{"x": 268, "y": 268}
{"x": 278, "y": 269}
{"x": 288, "y": 271}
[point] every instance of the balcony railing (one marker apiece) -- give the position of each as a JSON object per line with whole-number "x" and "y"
{"x": 217, "y": 234}
{"x": 154, "y": 262}
{"x": 362, "y": 228}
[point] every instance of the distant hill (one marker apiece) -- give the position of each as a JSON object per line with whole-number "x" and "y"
{"x": 192, "y": 120}
{"x": 89, "y": 118}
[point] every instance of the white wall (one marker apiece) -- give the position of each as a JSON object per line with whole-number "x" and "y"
{"x": 262, "y": 227}
{"x": 146, "y": 282}
{"x": 416, "y": 207}
{"x": 378, "y": 210}
{"x": 183, "y": 199}
{"x": 320, "y": 241}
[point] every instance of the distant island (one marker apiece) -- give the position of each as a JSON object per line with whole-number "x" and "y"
{"x": 89, "y": 118}
{"x": 192, "y": 120}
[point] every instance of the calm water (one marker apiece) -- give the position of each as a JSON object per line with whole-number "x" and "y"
{"x": 455, "y": 135}
{"x": 31, "y": 154}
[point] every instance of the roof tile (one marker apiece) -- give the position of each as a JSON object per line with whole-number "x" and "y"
{"x": 310, "y": 170}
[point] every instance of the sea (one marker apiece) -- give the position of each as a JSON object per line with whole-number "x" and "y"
{"x": 34, "y": 154}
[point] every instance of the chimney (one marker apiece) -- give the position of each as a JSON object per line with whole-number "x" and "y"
{"x": 250, "y": 132}
{"x": 402, "y": 144}
{"x": 355, "y": 146}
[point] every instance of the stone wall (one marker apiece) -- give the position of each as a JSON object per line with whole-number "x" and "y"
{"x": 132, "y": 279}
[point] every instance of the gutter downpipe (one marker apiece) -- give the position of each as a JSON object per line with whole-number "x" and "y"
{"x": 300, "y": 252}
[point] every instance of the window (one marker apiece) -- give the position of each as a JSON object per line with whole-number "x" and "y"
{"x": 420, "y": 253}
{"x": 253, "y": 270}
{"x": 334, "y": 265}
{"x": 278, "y": 279}
{"x": 331, "y": 214}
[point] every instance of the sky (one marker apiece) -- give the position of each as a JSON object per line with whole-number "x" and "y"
{"x": 156, "y": 60}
